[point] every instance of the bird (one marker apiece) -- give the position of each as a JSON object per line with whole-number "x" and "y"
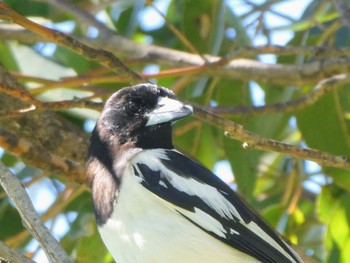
{"x": 154, "y": 204}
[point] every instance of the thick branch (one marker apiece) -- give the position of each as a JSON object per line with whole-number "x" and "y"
{"x": 41, "y": 137}
{"x": 31, "y": 220}
{"x": 10, "y": 255}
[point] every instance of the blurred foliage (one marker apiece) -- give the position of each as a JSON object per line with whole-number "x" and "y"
{"x": 308, "y": 204}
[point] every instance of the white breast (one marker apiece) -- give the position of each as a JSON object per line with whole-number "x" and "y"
{"x": 144, "y": 228}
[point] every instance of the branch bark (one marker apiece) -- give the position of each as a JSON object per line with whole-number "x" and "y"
{"x": 323, "y": 87}
{"x": 12, "y": 256}
{"x": 254, "y": 141}
{"x": 336, "y": 61}
{"x": 102, "y": 56}
{"x": 31, "y": 220}
{"x": 237, "y": 68}
{"x": 40, "y": 138}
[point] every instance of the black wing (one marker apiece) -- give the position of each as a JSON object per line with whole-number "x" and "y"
{"x": 189, "y": 185}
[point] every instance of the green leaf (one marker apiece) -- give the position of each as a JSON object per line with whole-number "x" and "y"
{"x": 323, "y": 127}
{"x": 39, "y": 9}
{"x": 243, "y": 161}
{"x": 29, "y": 8}
{"x": 327, "y": 202}
{"x": 10, "y": 218}
{"x": 190, "y": 142}
{"x": 33, "y": 64}
{"x": 202, "y": 24}
{"x": 334, "y": 209}
{"x": 6, "y": 57}
{"x": 273, "y": 214}
{"x": 9, "y": 160}
{"x": 91, "y": 249}
{"x": 339, "y": 227}
{"x": 79, "y": 63}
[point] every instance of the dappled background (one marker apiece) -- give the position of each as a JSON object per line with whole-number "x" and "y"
{"x": 279, "y": 68}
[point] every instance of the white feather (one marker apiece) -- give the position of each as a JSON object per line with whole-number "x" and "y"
{"x": 189, "y": 185}
{"x": 146, "y": 229}
{"x": 207, "y": 193}
{"x": 142, "y": 219}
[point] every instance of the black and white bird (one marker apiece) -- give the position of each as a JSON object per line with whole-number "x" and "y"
{"x": 153, "y": 204}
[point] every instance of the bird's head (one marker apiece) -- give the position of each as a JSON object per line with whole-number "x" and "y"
{"x": 142, "y": 114}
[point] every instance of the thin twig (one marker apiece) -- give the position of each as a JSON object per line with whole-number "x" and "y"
{"x": 252, "y": 51}
{"x": 323, "y": 87}
{"x": 75, "y": 103}
{"x": 254, "y": 141}
{"x": 31, "y": 220}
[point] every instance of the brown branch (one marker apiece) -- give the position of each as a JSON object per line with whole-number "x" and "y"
{"x": 39, "y": 156}
{"x": 34, "y": 104}
{"x": 242, "y": 69}
{"x": 10, "y": 255}
{"x": 31, "y": 220}
{"x": 253, "y": 141}
{"x": 318, "y": 52}
{"x": 82, "y": 82}
{"x": 104, "y": 57}
{"x": 10, "y": 32}
{"x": 41, "y": 137}
{"x": 14, "y": 32}
{"x": 76, "y": 103}
{"x": 323, "y": 87}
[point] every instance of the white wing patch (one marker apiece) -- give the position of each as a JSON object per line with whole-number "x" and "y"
{"x": 207, "y": 193}
{"x": 253, "y": 227}
{"x": 210, "y": 195}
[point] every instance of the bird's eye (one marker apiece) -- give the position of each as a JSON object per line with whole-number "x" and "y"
{"x": 133, "y": 107}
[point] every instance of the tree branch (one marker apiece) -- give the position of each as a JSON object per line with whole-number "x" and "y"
{"x": 104, "y": 57}
{"x": 31, "y": 220}
{"x": 253, "y": 141}
{"x": 62, "y": 201}
{"x": 46, "y": 148}
{"x": 318, "y": 52}
{"x": 12, "y": 256}
{"x": 241, "y": 68}
{"x": 323, "y": 87}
